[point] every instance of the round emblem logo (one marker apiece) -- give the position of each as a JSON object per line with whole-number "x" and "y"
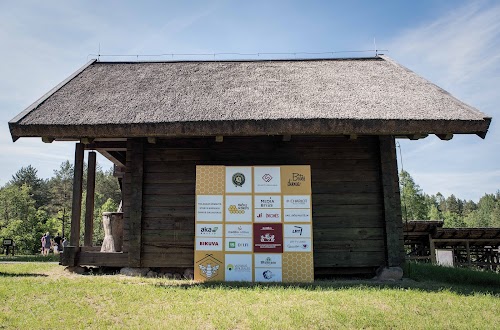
{"x": 238, "y": 179}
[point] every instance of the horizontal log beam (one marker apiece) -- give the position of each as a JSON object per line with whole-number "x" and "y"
{"x": 471, "y": 240}
{"x": 107, "y": 145}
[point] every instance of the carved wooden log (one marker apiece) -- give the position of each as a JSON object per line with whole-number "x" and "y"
{"x": 113, "y": 231}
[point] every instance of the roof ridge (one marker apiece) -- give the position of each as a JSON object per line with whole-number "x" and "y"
{"x": 371, "y": 58}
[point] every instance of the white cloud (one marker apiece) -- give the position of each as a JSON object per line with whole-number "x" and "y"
{"x": 459, "y": 51}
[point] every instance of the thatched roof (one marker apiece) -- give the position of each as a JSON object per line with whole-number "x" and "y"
{"x": 321, "y": 96}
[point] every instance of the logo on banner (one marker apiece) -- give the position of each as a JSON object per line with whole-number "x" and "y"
{"x": 296, "y": 180}
{"x": 202, "y": 243}
{"x": 268, "y": 274}
{"x": 268, "y": 262}
{"x": 267, "y": 177}
{"x": 238, "y": 268}
{"x": 297, "y": 245}
{"x": 297, "y": 230}
{"x": 211, "y": 230}
{"x": 209, "y": 270}
{"x": 298, "y": 201}
{"x": 267, "y": 238}
{"x": 238, "y": 209}
{"x": 238, "y": 179}
{"x": 233, "y": 245}
{"x": 209, "y": 266}
{"x": 238, "y": 230}
{"x": 266, "y": 203}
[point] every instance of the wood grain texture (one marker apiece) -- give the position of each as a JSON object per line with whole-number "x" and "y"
{"x": 392, "y": 202}
{"x": 89, "y": 203}
{"x": 134, "y": 208}
{"x": 348, "y": 206}
{"x": 76, "y": 205}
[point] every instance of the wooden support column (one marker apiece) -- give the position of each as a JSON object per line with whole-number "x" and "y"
{"x": 135, "y": 153}
{"x": 467, "y": 250}
{"x": 89, "y": 203}
{"x": 392, "y": 203}
{"x": 432, "y": 247}
{"x": 76, "y": 206}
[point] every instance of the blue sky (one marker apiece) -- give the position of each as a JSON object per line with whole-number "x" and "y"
{"x": 455, "y": 44}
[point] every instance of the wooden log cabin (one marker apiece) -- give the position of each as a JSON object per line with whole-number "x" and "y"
{"x": 156, "y": 121}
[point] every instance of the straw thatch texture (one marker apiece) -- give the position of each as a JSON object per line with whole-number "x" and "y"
{"x": 364, "y": 96}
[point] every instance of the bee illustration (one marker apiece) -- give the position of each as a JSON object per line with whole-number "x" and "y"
{"x": 209, "y": 270}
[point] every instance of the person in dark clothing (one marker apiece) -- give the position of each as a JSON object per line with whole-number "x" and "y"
{"x": 58, "y": 240}
{"x": 57, "y": 244}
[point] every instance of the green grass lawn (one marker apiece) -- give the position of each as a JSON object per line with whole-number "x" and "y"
{"x": 38, "y": 295}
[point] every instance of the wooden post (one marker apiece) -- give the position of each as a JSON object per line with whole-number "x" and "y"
{"x": 135, "y": 150}
{"x": 467, "y": 249}
{"x": 76, "y": 207}
{"x": 392, "y": 202}
{"x": 89, "y": 203}
{"x": 432, "y": 247}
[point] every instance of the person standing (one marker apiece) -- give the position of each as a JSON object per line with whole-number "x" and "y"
{"x": 43, "y": 244}
{"x": 48, "y": 243}
{"x": 57, "y": 243}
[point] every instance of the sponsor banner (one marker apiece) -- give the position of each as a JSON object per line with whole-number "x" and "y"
{"x": 268, "y": 237}
{"x": 238, "y": 179}
{"x": 253, "y": 223}
{"x": 296, "y": 180}
{"x": 297, "y": 245}
{"x": 238, "y": 230}
{"x": 208, "y": 244}
{"x": 209, "y": 266}
{"x": 209, "y": 208}
{"x": 238, "y": 244}
{"x": 297, "y": 215}
{"x": 268, "y": 260}
{"x": 267, "y": 179}
{"x": 209, "y": 230}
{"x": 268, "y": 275}
{"x": 267, "y": 215}
{"x": 297, "y": 231}
{"x": 267, "y": 201}
{"x": 238, "y": 208}
{"x": 238, "y": 267}
{"x": 297, "y": 201}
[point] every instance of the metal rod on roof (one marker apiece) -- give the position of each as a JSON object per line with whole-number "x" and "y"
{"x": 237, "y": 54}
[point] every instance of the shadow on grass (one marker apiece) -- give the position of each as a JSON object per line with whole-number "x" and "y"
{"x": 2, "y": 274}
{"x": 342, "y": 284}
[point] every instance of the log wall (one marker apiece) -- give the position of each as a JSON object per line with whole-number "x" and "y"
{"x": 348, "y": 206}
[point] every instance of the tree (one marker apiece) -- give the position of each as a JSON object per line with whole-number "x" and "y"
{"x": 412, "y": 199}
{"x": 61, "y": 188}
{"x": 454, "y": 205}
{"x": 29, "y": 176}
{"x": 469, "y": 206}
{"x": 20, "y": 220}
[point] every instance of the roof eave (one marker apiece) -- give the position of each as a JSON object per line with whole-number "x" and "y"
{"x": 256, "y": 127}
